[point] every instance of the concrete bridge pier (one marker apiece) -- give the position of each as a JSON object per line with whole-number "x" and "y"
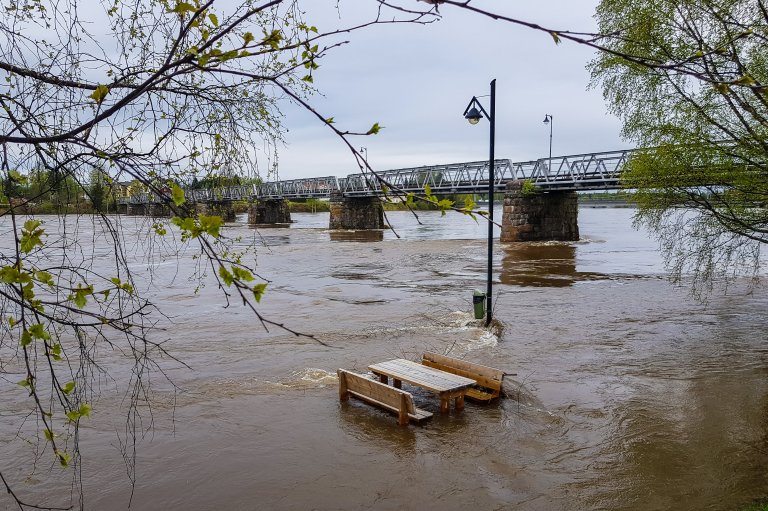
{"x": 269, "y": 211}
{"x": 359, "y": 213}
{"x": 539, "y": 216}
{"x": 135, "y": 209}
{"x": 223, "y": 209}
{"x": 156, "y": 210}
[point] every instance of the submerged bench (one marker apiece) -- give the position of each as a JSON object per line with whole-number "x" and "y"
{"x": 489, "y": 380}
{"x": 381, "y": 395}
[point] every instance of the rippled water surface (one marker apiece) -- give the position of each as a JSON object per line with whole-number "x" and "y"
{"x": 626, "y": 394}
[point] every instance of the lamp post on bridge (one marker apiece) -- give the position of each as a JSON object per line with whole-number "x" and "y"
{"x": 473, "y": 113}
{"x": 548, "y": 120}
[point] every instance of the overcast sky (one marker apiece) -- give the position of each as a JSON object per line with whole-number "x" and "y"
{"x": 416, "y": 81}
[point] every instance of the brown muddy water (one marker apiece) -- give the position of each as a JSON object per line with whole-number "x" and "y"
{"x": 628, "y": 395}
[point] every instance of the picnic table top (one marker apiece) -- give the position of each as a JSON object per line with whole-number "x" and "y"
{"x": 431, "y": 379}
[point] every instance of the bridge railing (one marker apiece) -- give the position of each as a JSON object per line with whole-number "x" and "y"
{"x": 579, "y": 171}
{"x": 452, "y": 178}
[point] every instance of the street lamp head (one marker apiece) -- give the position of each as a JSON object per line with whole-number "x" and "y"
{"x": 547, "y": 118}
{"x": 473, "y": 116}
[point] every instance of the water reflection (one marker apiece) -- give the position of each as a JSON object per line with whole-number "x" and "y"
{"x": 359, "y": 236}
{"x": 538, "y": 265}
{"x": 268, "y": 226}
{"x": 373, "y": 426}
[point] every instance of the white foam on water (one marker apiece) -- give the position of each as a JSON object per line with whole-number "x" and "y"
{"x": 461, "y": 319}
{"x": 312, "y": 376}
{"x": 485, "y": 340}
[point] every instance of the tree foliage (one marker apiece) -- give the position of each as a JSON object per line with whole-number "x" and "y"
{"x": 153, "y": 92}
{"x": 694, "y": 93}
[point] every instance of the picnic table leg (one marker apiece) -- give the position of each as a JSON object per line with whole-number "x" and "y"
{"x": 397, "y": 383}
{"x": 383, "y": 379}
{"x": 444, "y": 404}
{"x": 460, "y": 402}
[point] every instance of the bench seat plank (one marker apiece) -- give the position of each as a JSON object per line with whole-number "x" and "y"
{"x": 380, "y": 395}
{"x": 417, "y": 415}
{"x": 489, "y": 380}
{"x": 479, "y": 395}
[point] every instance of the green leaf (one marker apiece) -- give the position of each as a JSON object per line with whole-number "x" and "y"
{"x": 99, "y": 94}
{"x": 182, "y": 8}
{"x": 225, "y": 275}
{"x": 428, "y": 191}
{"x": 330, "y": 120}
{"x": 24, "y": 383}
{"x": 214, "y": 19}
{"x": 64, "y": 458}
{"x": 273, "y": 39}
{"x": 211, "y": 224}
{"x": 28, "y": 290}
{"x": 56, "y": 352}
{"x": 48, "y": 434}
{"x": 85, "y": 410}
{"x": 242, "y": 274}
{"x": 31, "y": 224}
{"x": 247, "y": 38}
{"x": 79, "y": 297}
{"x": 374, "y": 129}
{"x": 73, "y": 415}
{"x": 37, "y": 331}
{"x": 44, "y": 278}
{"x": 555, "y": 37}
{"x": 12, "y": 275}
{"x": 26, "y": 338}
{"x": 258, "y": 291}
{"x": 68, "y": 388}
{"x": 30, "y": 236}
{"x": 177, "y": 194}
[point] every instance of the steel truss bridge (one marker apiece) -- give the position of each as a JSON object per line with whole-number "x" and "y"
{"x": 595, "y": 171}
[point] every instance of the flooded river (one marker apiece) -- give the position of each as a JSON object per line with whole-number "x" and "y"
{"x": 628, "y": 395}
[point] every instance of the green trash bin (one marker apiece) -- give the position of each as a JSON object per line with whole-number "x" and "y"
{"x": 478, "y": 302}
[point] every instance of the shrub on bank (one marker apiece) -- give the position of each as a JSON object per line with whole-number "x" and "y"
{"x": 240, "y": 206}
{"x": 309, "y": 206}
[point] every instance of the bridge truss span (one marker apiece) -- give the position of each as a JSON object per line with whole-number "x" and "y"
{"x": 589, "y": 171}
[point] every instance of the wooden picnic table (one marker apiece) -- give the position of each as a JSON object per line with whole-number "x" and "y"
{"x": 446, "y": 385}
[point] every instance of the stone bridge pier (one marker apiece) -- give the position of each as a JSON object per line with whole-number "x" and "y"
{"x": 223, "y": 209}
{"x": 539, "y": 216}
{"x": 359, "y": 213}
{"x": 152, "y": 209}
{"x": 269, "y": 211}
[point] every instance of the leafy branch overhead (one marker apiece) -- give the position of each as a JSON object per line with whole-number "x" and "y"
{"x": 156, "y": 94}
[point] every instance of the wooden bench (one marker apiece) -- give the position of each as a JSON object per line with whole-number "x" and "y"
{"x": 489, "y": 380}
{"x": 381, "y": 395}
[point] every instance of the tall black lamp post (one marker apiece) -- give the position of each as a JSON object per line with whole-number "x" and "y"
{"x": 473, "y": 113}
{"x": 548, "y": 120}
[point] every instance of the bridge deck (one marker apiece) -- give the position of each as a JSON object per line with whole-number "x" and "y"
{"x": 592, "y": 171}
